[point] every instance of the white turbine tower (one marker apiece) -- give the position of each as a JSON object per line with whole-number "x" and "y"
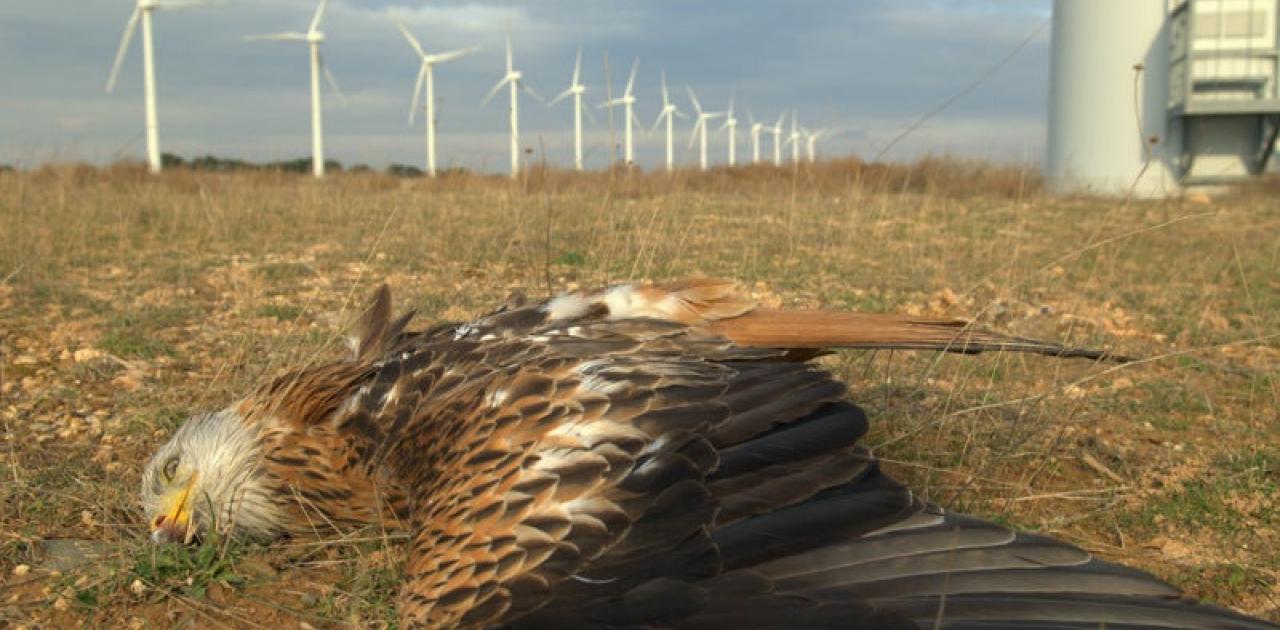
{"x": 142, "y": 11}
{"x": 756, "y": 128}
{"x": 700, "y": 127}
{"x": 776, "y": 131}
{"x": 313, "y": 37}
{"x": 515, "y": 79}
{"x": 669, "y": 111}
{"x": 576, "y": 90}
{"x": 793, "y": 138}
{"x": 426, "y": 81}
{"x": 811, "y": 142}
{"x": 628, "y": 101}
{"x": 731, "y": 126}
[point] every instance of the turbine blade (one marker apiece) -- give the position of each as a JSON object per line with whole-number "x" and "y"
{"x": 577, "y": 67}
{"x": 451, "y": 55}
{"x": 497, "y": 86}
{"x": 129, "y": 27}
{"x": 631, "y": 81}
{"x": 510, "y": 60}
{"x": 181, "y": 4}
{"x": 590, "y": 116}
{"x": 696, "y": 126}
{"x": 731, "y": 105}
{"x": 417, "y": 92}
{"x": 328, "y": 77}
{"x": 694, "y": 99}
{"x": 413, "y": 41}
{"x": 530, "y": 91}
{"x": 315, "y": 19}
{"x": 559, "y": 97}
{"x": 679, "y": 114}
{"x": 664, "y": 112}
{"x": 666, "y": 96}
{"x": 278, "y": 37}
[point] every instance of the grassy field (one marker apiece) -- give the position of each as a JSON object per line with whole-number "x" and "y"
{"x": 128, "y": 302}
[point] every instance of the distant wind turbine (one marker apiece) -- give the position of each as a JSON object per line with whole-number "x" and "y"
{"x": 515, "y": 79}
{"x": 576, "y": 90}
{"x": 426, "y": 81}
{"x": 731, "y": 127}
{"x": 700, "y": 127}
{"x": 628, "y": 101}
{"x": 669, "y": 111}
{"x": 313, "y": 37}
{"x": 811, "y": 142}
{"x": 776, "y": 130}
{"x": 142, "y": 11}
{"x": 793, "y": 138}
{"x": 812, "y": 137}
{"x": 756, "y": 128}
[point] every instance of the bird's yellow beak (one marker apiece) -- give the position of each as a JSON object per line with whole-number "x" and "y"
{"x": 173, "y": 523}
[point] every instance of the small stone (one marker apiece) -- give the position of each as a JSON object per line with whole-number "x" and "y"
{"x": 137, "y": 588}
{"x": 85, "y": 355}
{"x": 61, "y": 604}
{"x": 127, "y": 382}
{"x": 21, "y": 570}
{"x": 1198, "y": 198}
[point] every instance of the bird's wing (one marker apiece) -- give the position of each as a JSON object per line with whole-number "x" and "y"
{"x": 611, "y": 459}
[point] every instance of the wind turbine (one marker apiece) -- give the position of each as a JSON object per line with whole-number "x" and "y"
{"x": 700, "y": 127}
{"x": 776, "y": 130}
{"x": 812, "y": 137}
{"x": 811, "y": 142}
{"x": 576, "y": 90}
{"x": 515, "y": 79}
{"x": 731, "y": 126}
{"x": 313, "y": 37}
{"x": 793, "y": 138}
{"x": 426, "y": 77}
{"x": 628, "y": 101}
{"x": 669, "y": 111}
{"x": 142, "y": 11}
{"x": 756, "y": 128}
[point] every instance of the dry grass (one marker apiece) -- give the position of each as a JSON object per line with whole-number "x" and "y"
{"x": 128, "y": 302}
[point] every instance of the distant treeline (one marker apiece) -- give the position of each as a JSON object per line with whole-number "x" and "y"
{"x": 299, "y": 165}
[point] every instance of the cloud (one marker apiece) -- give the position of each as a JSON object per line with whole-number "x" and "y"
{"x": 873, "y": 64}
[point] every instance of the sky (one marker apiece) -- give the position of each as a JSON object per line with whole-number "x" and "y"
{"x": 868, "y": 67}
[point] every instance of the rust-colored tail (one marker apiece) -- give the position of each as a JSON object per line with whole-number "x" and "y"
{"x": 773, "y": 328}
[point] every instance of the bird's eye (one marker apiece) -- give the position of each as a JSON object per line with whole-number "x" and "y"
{"x": 170, "y": 468}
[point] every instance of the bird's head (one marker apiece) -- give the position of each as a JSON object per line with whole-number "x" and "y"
{"x": 209, "y": 476}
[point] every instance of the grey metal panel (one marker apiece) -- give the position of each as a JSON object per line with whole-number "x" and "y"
{"x": 1214, "y": 107}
